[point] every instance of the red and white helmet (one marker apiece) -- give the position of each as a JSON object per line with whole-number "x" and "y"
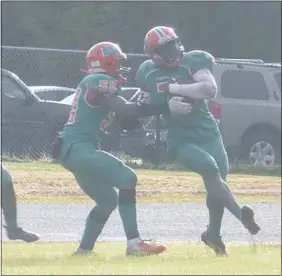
{"x": 106, "y": 57}
{"x": 163, "y": 46}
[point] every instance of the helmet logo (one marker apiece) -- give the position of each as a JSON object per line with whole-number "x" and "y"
{"x": 160, "y": 33}
{"x": 109, "y": 50}
{"x": 95, "y": 64}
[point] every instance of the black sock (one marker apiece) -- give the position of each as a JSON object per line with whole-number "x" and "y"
{"x": 9, "y": 205}
{"x": 94, "y": 225}
{"x": 127, "y": 211}
{"x": 216, "y": 211}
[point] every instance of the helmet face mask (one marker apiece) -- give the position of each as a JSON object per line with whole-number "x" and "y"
{"x": 122, "y": 71}
{"x": 170, "y": 52}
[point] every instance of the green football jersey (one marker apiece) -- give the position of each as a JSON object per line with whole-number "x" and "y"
{"x": 87, "y": 120}
{"x": 198, "y": 126}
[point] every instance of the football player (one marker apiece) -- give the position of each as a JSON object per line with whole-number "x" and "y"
{"x": 9, "y": 207}
{"x": 96, "y": 106}
{"x": 193, "y": 135}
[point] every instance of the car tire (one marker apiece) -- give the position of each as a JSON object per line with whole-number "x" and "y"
{"x": 261, "y": 149}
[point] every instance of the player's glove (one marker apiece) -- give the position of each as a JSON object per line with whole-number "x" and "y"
{"x": 177, "y": 106}
{"x": 143, "y": 98}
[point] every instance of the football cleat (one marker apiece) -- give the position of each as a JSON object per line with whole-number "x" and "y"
{"x": 215, "y": 243}
{"x": 247, "y": 219}
{"x": 138, "y": 247}
{"x": 81, "y": 252}
{"x": 20, "y": 234}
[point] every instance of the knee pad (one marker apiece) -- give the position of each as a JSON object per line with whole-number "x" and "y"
{"x": 127, "y": 196}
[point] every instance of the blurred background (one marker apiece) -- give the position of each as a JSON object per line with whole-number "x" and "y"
{"x": 44, "y": 44}
{"x": 226, "y": 29}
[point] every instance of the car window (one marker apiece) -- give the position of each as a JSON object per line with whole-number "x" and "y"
{"x": 244, "y": 85}
{"x": 63, "y": 94}
{"x": 277, "y": 77}
{"x": 47, "y": 95}
{"x": 10, "y": 89}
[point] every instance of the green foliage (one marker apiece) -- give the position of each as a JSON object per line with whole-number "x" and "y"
{"x": 226, "y": 29}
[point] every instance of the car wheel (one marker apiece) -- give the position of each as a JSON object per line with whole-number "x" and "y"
{"x": 262, "y": 149}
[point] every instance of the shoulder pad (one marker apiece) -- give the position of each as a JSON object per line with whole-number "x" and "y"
{"x": 142, "y": 71}
{"x": 198, "y": 59}
{"x": 102, "y": 83}
{"x": 147, "y": 65}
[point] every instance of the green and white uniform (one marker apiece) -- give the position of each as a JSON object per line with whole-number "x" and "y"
{"x": 195, "y": 138}
{"x": 97, "y": 172}
{"x": 82, "y": 135}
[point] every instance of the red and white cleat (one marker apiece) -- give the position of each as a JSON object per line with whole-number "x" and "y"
{"x": 138, "y": 247}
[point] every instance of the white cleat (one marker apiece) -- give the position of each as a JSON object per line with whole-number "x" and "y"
{"x": 138, "y": 247}
{"x": 81, "y": 252}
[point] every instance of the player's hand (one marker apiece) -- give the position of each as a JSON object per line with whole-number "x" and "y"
{"x": 165, "y": 86}
{"x": 143, "y": 98}
{"x": 177, "y": 106}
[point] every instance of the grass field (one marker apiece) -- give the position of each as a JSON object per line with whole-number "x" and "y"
{"x": 179, "y": 259}
{"x": 46, "y": 182}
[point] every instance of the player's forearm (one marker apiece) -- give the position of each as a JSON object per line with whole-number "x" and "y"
{"x": 198, "y": 91}
{"x": 204, "y": 87}
{"x": 119, "y": 106}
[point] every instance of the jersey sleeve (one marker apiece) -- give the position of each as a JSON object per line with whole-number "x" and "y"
{"x": 140, "y": 79}
{"x": 200, "y": 60}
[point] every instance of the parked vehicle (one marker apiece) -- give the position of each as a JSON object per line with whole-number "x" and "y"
{"x": 29, "y": 124}
{"x": 249, "y": 100}
{"x": 247, "y": 108}
{"x": 52, "y": 93}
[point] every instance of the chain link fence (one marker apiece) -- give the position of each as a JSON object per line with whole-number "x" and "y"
{"x": 30, "y": 124}
{"x": 39, "y": 66}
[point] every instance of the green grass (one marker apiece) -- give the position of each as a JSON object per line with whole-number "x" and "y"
{"x": 48, "y": 182}
{"x": 179, "y": 259}
{"x": 54, "y": 167}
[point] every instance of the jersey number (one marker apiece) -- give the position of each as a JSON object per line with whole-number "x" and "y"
{"x": 73, "y": 111}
